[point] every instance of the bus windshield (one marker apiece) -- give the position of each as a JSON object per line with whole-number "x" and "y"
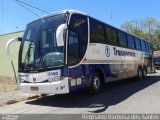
{"x": 39, "y": 48}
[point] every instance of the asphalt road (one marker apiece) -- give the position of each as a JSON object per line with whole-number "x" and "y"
{"x": 127, "y": 96}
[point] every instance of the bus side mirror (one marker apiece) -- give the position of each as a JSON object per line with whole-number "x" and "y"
{"x": 60, "y": 34}
{"x": 10, "y": 42}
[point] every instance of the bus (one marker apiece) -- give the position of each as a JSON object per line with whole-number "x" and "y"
{"x": 69, "y": 50}
{"x": 156, "y": 62}
{"x": 156, "y": 59}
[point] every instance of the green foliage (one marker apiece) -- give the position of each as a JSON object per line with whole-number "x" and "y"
{"x": 148, "y": 29}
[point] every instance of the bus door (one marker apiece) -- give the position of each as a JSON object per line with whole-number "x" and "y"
{"x": 77, "y": 45}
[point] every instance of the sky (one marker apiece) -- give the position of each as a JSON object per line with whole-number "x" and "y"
{"x": 114, "y": 12}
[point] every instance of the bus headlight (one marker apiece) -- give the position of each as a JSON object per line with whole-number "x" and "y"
{"x": 54, "y": 79}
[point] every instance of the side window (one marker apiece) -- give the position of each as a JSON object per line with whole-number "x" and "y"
{"x": 146, "y": 44}
{"x": 130, "y": 40}
{"x": 143, "y": 45}
{"x": 111, "y": 35}
{"x": 77, "y": 39}
{"x": 137, "y": 43}
{"x": 97, "y": 32}
{"x": 149, "y": 46}
{"x": 122, "y": 39}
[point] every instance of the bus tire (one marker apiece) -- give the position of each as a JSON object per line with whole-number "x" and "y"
{"x": 96, "y": 83}
{"x": 139, "y": 73}
{"x": 144, "y": 72}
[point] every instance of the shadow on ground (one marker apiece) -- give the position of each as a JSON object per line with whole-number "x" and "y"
{"x": 112, "y": 94}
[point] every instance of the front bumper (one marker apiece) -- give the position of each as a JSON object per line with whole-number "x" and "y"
{"x": 58, "y": 87}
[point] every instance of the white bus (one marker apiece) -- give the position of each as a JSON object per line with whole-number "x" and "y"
{"x": 69, "y": 51}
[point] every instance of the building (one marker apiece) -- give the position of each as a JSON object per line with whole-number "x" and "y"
{"x": 156, "y": 54}
{"x": 5, "y": 61}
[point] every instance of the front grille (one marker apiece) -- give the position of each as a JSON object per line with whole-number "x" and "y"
{"x": 45, "y": 81}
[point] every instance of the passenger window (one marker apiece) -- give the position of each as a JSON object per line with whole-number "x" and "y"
{"x": 97, "y": 32}
{"x": 137, "y": 43}
{"x": 131, "y": 43}
{"x": 146, "y": 46}
{"x": 143, "y": 45}
{"x": 122, "y": 39}
{"x": 111, "y": 36}
{"x": 149, "y": 46}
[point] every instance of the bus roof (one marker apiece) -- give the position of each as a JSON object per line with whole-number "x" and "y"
{"x": 58, "y": 12}
{"x": 78, "y": 12}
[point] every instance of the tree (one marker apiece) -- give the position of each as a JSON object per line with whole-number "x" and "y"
{"x": 148, "y": 29}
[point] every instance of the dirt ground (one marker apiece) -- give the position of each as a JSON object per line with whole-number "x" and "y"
{"x": 7, "y": 84}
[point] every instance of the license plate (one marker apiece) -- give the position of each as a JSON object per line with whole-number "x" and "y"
{"x": 34, "y": 88}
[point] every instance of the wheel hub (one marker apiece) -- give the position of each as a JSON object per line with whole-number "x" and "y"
{"x": 96, "y": 82}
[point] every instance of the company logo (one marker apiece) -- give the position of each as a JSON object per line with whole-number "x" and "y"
{"x": 78, "y": 23}
{"x": 123, "y": 53}
{"x": 34, "y": 79}
{"x": 107, "y": 51}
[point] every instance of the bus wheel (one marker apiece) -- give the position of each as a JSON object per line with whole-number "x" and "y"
{"x": 144, "y": 72}
{"x": 96, "y": 83}
{"x": 139, "y": 73}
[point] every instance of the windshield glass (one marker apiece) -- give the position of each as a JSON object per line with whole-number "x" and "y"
{"x": 26, "y": 56}
{"x": 39, "y": 48}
